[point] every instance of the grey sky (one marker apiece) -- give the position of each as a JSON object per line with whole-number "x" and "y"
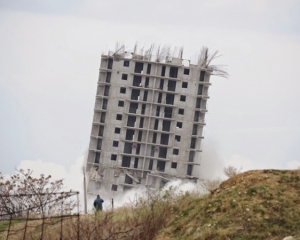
{"x": 50, "y": 55}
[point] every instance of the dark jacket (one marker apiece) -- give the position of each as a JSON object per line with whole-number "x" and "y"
{"x": 98, "y": 203}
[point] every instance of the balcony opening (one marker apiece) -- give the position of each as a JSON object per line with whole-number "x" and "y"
{"x": 156, "y": 124}
{"x": 119, "y": 117}
{"x": 129, "y": 134}
{"x": 102, "y": 118}
{"x": 126, "y": 63}
{"x": 128, "y": 180}
{"x": 137, "y": 81}
{"x": 136, "y": 162}
{"x": 198, "y": 103}
{"x": 124, "y": 76}
{"x": 143, "y": 109}
{"x": 152, "y": 151}
{"x": 186, "y": 71}
{"x": 123, "y": 90}
{"x": 115, "y": 143}
{"x": 173, "y": 72}
{"x": 177, "y": 138}
{"x": 135, "y": 94}
{"x": 179, "y": 125}
{"x": 113, "y": 157}
{"x": 117, "y": 130}
{"x": 101, "y": 131}
{"x": 131, "y": 121}
{"x": 195, "y": 129}
{"x": 106, "y": 91}
{"x": 163, "y": 71}
{"x": 200, "y": 89}
{"x": 139, "y": 67}
{"x": 145, "y": 96}
{"x": 110, "y": 63}
{"x": 164, "y": 139}
{"x": 133, "y": 107}
{"x": 168, "y": 112}
{"x": 104, "y": 104}
{"x": 140, "y": 135}
{"x": 114, "y": 187}
{"x": 174, "y": 165}
{"x": 138, "y": 149}
{"x": 147, "y": 82}
{"x": 182, "y": 98}
{"x": 121, "y": 104}
{"x": 170, "y": 99}
{"x": 159, "y": 98}
{"x": 202, "y": 76}
{"x": 127, "y": 148}
{"x": 189, "y": 170}
{"x": 162, "y": 152}
{"x": 99, "y": 144}
{"x": 97, "y": 158}
{"x": 184, "y": 84}
{"x": 191, "y": 156}
{"x": 157, "y": 111}
{"x": 141, "y": 122}
{"x": 166, "y": 126}
{"x": 193, "y": 143}
{"x": 161, "y": 84}
{"x": 196, "y": 116}
{"x": 175, "y": 151}
{"x": 161, "y": 166}
{"x": 154, "y": 137}
{"x": 148, "y": 68}
{"x": 108, "y": 77}
{"x": 171, "y": 85}
{"x": 150, "y": 164}
{"x": 126, "y": 161}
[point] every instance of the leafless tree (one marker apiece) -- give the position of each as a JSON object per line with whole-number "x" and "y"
{"x": 211, "y": 184}
{"x": 231, "y": 171}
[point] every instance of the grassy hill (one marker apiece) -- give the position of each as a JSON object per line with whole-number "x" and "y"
{"x": 259, "y": 204}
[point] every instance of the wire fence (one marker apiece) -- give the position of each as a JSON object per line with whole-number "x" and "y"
{"x": 19, "y": 215}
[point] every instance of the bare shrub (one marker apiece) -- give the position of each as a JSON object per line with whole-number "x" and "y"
{"x": 211, "y": 184}
{"x": 231, "y": 171}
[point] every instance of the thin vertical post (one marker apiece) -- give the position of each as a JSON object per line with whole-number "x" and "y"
{"x": 61, "y": 219}
{"x": 8, "y": 230}
{"x": 84, "y": 191}
{"x": 27, "y": 216}
{"x": 78, "y": 216}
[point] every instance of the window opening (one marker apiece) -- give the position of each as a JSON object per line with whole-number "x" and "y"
{"x": 186, "y": 71}
{"x": 191, "y": 156}
{"x": 114, "y": 187}
{"x": 121, "y": 104}
{"x": 101, "y": 131}
{"x": 110, "y": 63}
{"x": 184, "y": 84}
{"x": 175, "y": 151}
{"x": 126, "y": 161}
{"x": 117, "y": 130}
{"x": 171, "y": 85}
{"x": 140, "y": 136}
{"x": 193, "y": 143}
{"x": 124, "y": 76}
{"x": 168, "y": 112}
{"x": 159, "y": 98}
{"x": 119, "y": 117}
{"x": 174, "y": 165}
{"x": 129, "y": 134}
{"x": 99, "y": 144}
{"x": 143, "y": 108}
{"x": 173, "y": 72}
{"x": 157, "y": 111}
{"x": 127, "y": 148}
{"x": 131, "y": 121}
{"x": 182, "y": 98}
{"x": 179, "y": 125}
{"x": 133, "y": 107}
{"x": 147, "y": 82}
{"x": 102, "y": 118}
{"x": 198, "y": 103}
{"x": 113, "y": 157}
{"x": 195, "y": 129}
{"x": 104, "y": 104}
{"x": 189, "y": 170}
{"x": 139, "y": 67}
{"x": 141, "y": 122}
{"x": 200, "y": 89}
{"x": 170, "y": 99}
{"x": 136, "y": 162}
{"x": 108, "y": 77}
{"x": 97, "y": 158}
{"x": 137, "y": 81}
{"x": 154, "y": 137}
{"x": 128, "y": 180}
{"x": 115, "y": 143}
{"x": 162, "y": 152}
{"x": 202, "y": 76}
{"x": 148, "y": 68}
{"x": 156, "y": 124}
{"x": 163, "y": 71}
{"x": 161, "y": 84}
{"x": 106, "y": 91}
{"x": 161, "y": 166}
{"x": 150, "y": 164}
{"x": 181, "y": 111}
{"x": 145, "y": 95}
{"x": 177, "y": 138}
{"x": 164, "y": 139}
{"x": 126, "y": 63}
{"x": 122, "y": 90}
{"x": 166, "y": 125}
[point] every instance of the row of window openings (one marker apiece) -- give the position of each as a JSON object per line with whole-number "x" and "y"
{"x": 139, "y": 66}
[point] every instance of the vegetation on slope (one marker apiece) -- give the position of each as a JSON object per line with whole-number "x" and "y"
{"x": 261, "y": 204}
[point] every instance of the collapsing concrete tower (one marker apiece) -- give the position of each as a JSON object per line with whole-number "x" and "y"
{"x": 148, "y": 118}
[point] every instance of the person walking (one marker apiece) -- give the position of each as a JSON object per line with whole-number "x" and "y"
{"x": 98, "y": 203}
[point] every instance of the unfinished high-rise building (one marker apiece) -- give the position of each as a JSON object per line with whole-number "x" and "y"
{"x": 148, "y": 118}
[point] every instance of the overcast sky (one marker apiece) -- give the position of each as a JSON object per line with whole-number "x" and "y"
{"x": 50, "y": 55}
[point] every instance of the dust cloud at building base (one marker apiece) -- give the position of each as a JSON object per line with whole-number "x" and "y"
{"x": 148, "y": 119}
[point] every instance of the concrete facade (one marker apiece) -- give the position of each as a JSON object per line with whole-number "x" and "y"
{"x": 148, "y": 122}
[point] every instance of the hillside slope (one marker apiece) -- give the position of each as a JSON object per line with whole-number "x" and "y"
{"x": 258, "y": 204}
